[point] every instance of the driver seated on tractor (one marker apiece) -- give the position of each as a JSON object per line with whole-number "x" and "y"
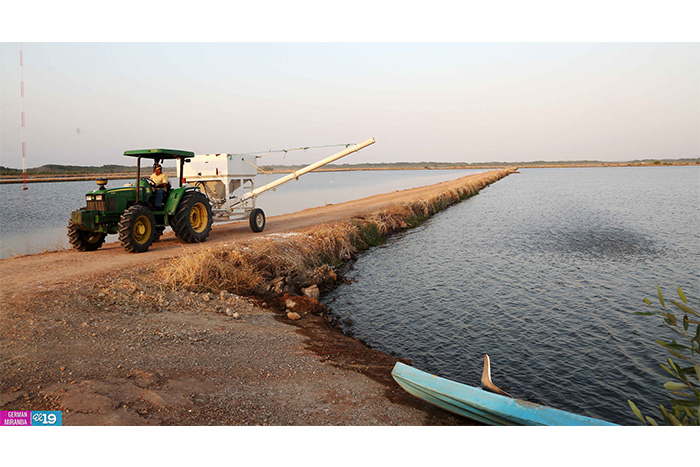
{"x": 161, "y": 183}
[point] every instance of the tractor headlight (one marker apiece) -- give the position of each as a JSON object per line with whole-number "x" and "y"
{"x": 98, "y": 198}
{"x": 89, "y": 198}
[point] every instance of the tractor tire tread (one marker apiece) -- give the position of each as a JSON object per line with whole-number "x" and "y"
{"x": 126, "y": 221}
{"x": 181, "y": 220}
{"x": 76, "y": 238}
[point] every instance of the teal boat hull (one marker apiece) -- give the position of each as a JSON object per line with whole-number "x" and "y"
{"x": 483, "y": 406}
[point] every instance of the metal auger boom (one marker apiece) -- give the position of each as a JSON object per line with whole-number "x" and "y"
{"x": 298, "y": 173}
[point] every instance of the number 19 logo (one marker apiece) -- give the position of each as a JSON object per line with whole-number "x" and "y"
{"x": 46, "y": 418}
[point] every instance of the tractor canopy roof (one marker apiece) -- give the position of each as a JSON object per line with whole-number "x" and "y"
{"x": 164, "y": 154}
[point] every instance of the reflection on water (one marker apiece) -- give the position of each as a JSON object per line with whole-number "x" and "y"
{"x": 542, "y": 271}
{"x": 35, "y": 220}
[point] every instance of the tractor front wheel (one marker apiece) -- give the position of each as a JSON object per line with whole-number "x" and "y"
{"x": 137, "y": 228}
{"x": 193, "y": 218}
{"x": 84, "y": 240}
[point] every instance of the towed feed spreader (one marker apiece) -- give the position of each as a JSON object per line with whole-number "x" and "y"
{"x": 228, "y": 181}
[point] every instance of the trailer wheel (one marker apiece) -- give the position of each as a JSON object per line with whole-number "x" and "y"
{"x": 193, "y": 217}
{"x": 137, "y": 229}
{"x": 257, "y": 220}
{"x": 84, "y": 240}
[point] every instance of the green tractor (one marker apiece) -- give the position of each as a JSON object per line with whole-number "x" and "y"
{"x": 130, "y": 211}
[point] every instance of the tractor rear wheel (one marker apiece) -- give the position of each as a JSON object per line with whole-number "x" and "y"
{"x": 193, "y": 218}
{"x": 137, "y": 228}
{"x": 257, "y": 220}
{"x": 84, "y": 240}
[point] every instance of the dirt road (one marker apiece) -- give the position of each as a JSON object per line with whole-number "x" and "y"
{"x": 86, "y": 334}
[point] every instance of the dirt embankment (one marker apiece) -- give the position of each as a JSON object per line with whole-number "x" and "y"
{"x": 93, "y": 335}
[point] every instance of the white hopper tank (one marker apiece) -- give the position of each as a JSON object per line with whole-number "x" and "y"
{"x": 228, "y": 181}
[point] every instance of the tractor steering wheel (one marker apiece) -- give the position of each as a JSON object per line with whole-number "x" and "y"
{"x": 150, "y": 182}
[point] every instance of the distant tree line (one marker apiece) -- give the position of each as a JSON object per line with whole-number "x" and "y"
{"x": 56, "y": 169}
{"x": 452, "y": 165}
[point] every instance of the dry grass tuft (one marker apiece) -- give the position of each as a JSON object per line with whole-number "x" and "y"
{"x": 213, "y": 270}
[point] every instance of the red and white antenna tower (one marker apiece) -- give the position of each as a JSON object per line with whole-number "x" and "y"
{"x": 24, "y": 146}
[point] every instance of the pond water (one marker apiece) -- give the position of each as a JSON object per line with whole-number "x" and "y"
{"x": 542, "y": 271}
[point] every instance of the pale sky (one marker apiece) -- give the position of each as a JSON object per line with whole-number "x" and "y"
{"x": 86, "y": 103}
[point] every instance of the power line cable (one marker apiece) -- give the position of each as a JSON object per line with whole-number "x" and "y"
{"x": 301, "y": 148}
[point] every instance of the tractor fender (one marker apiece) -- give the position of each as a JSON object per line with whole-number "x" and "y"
{"x": 175, "y": 197}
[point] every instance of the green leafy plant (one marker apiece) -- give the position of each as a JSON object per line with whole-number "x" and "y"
{"x": 684, "y": 388}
